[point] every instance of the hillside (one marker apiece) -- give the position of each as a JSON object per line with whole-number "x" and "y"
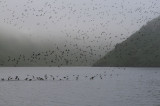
{"x": 142, "y": 49}
{"x": 19, "y": 49}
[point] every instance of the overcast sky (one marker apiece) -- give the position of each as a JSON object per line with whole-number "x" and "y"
{"x": 78, "y": 19}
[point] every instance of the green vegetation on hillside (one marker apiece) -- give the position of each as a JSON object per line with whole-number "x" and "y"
{"x": 142, "y": 49}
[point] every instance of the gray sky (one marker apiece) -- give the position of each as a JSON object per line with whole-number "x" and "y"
{"x": 80, "y": 20}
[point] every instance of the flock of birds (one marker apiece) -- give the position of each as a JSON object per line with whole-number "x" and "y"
{"x": 52, "y": 57}
{"x": 48, "y": 77}
{"x": 86, "y": 26}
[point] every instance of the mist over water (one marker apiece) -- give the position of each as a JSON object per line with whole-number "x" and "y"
{"x": 117, "y": 34}
{"x": 77, "y": 31}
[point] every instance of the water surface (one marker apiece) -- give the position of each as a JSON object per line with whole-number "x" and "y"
{"x": 94, "y": 86}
